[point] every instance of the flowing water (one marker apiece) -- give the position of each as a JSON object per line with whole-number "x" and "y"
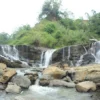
{"x": 10, "y": 52}
{"x": 36, "y": 92}
{"x": 46, "y": 58}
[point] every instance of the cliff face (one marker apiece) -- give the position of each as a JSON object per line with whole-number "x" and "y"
{"x": 74, "y": 55}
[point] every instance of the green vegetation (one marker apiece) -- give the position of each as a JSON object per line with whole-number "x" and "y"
{"x": 55, "y": 29}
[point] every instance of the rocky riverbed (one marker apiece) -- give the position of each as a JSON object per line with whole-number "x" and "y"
{"x": 59, "y": 83}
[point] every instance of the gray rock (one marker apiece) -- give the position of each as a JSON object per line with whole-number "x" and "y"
{"x": 13, "y": 88}
{"x": 32, "y": 76}
{"x": 21, "y": 81}
{"x": 2, "y": 86}
{"x": 62, "y": 83}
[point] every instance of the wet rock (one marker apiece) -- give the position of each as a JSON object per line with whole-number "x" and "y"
{"x": 13, "y": 88}
{"x": 67, "y": 79}
{"x": 21, "y": 81}
{"x": 62, "y": 83}
{"x": 54, "y": 72}
{"x": 86, "y": 86}
{"x": 32, "y": 76}
{"x": 44, "y": 82}
{"x": 88, "y": 59}
{"x": 71, "y": 73}
{"x": 71, "y": 54}
{"x": 2, "y": 86}
{"x": 9, "y": 63}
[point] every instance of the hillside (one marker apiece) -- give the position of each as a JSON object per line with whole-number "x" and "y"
{"x": 52, "y": 34}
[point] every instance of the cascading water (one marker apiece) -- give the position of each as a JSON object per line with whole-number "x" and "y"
{"x": 46, "y": 58}
{"x": 95, "y": 49}
{"x": 79, "y": 62}
{"x": 41, "y": 59}
{"x": 10, "y": 52}
{"x": 68, "y": 52}
{"x": 63, "y": 55}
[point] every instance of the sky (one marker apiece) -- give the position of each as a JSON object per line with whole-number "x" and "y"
{"x": 16, "y": 13}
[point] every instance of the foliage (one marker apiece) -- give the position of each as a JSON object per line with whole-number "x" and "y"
{"x": 94, "y": 23}
{"x": 4, "y": 38}
{"x": 59, "y": 32}
{"x": 51, "y": 10}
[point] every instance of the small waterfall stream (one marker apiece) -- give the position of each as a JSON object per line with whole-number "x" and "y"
{"x": 63, "y": 55}
{"x": 10, "y": 52}
{"x": 68, "y": 52}
{"x": 79, "y": 62}
{"x": 46, "y": 58}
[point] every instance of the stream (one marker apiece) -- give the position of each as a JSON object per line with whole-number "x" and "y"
{"x": 48, "y": 93}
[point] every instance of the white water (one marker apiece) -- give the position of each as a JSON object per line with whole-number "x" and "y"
{"x": 46, "y": 58}
{"x": 63, "y": 55}
{"x": 79, "y": 62}
{"x": 41, "y": 59}
{"x": 10, "y": 52}
{"x": 68, "y": 52}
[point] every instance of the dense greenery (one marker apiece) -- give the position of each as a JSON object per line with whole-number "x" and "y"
{"x": 55, "y": 29}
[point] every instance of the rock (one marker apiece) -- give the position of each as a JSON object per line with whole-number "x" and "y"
{"x": 54, "y": 72}
{"x": 3, "y": 66}
{"x": 13, "y": 88}
{"x": 88, "y": 73}
{"x": 86, "y": 86}
{"x": 32, "y": 76}
{"x": 71, "y": 73}
{"x": 21, "y": 81}
{"x": 44, "y": 82}
{"x": 67, "y": 79}
{"x": 2, "y": 86}
{"x": 7, "y": 75}
{"x": 88, "y": 59}
{"x": 9, "y": 63}
{"x": 62, "y": 83}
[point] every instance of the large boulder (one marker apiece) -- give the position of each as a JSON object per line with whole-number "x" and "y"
{"x": 21, "y": 81}
{"x": 7, "y": 75}
{"x": 45, "y": 80}
{"x": 13, "y": 88}
{"x": 88, "y": 73}
{"x": 86, "y": 86}
{"x": 61, "y": 83}
{"x": 3, "y": 66}
{"x": 54, "y": 72}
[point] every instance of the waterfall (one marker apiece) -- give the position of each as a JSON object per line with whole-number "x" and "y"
{"x": 63, "y": 55}
{"x": 46, "y": 58}
{"x": 68, "y": 52}
{"x": 79, "y": 62}
{"x": 41, "y": 59}
{"x": 10, "y": 52}
{"x": 95, "y": 51}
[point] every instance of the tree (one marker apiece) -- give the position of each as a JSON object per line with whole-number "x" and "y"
{"x": 4, "y": 38}
{"x": 94, "y": 23}
{"x": 51, "y": 10}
